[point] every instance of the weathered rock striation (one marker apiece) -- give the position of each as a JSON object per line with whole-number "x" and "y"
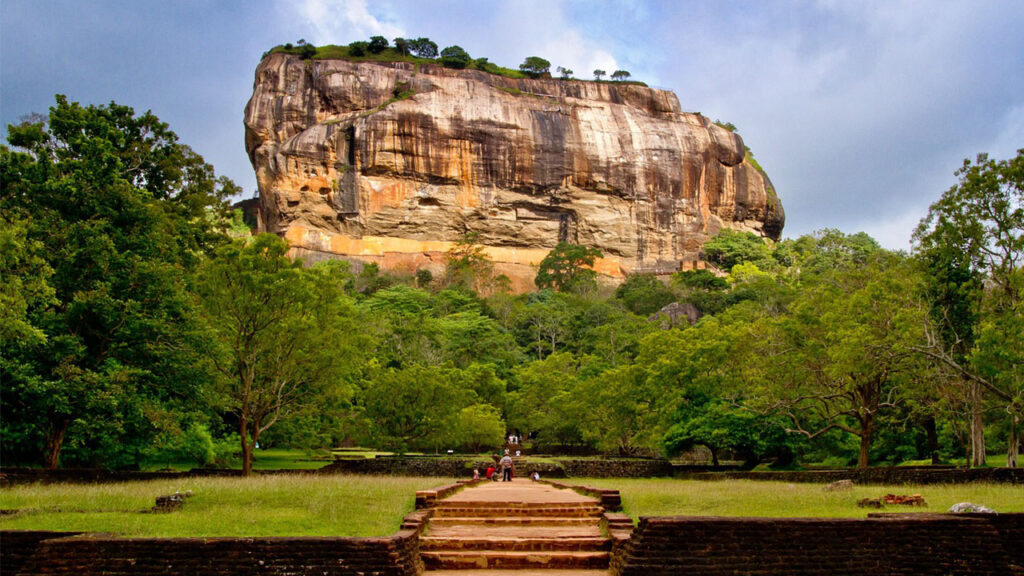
{"x": 394, "y": 162}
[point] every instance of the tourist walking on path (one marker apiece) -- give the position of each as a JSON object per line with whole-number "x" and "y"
{"x": 506, "y": 468}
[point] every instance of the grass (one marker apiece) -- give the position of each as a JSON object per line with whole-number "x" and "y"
{"x": 669, "y": 497}
{"x": 279, "y": 505}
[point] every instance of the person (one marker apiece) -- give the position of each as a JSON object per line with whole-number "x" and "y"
{"x": 490, "y": 473}
{"x": 536, "y": 476}
{"x": 506, "y": 468}
{"x": 476, "y": 474}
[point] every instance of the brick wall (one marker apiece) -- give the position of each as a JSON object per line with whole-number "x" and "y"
{"x": 925, "y": 545}
{"x": 879, "y": 475}
{"x": 72, "y": 554}
{"x": 616, "y": 468}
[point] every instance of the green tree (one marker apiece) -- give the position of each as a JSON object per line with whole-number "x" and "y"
{"x": 535, "y": 66}
{"x": 423, "y": 47}
{"x": 974, "y": 235}
{"x": 619, "y": 75}
{"x": 731, "y": 247}
{"x": 644, "y": 294}
{"x": 568, "y": 268}
{"x": 413, "y": 408}
{"x": 468, "y": 265}
{"x": 455, "y": 57}
{"x": 377, "y": 45}
{"x": 358, "y": 48}
{"x": 564, "y": 73}
{"x": 403, "y": 46}
{"x": 845, "y": 353}
{"x": 119, "y": 211}
{"x": 283, "y": 332}
{"x": 598, "y": 74}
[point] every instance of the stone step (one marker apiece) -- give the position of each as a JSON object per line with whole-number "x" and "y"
{"x": 515, "y": 521}
{"x": 483, "y": 560}
{"x": 492, "y": 511}
{"x": 515, "y": 543}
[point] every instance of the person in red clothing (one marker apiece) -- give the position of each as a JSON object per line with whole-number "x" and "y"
{"x": 491, "y": 473}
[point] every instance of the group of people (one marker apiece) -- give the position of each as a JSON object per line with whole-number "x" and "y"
{"x": 506, "y": 467}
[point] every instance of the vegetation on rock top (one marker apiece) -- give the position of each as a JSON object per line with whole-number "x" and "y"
{"x": 425, "y": 51}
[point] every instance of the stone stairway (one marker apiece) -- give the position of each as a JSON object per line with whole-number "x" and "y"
{"x": 519, "y": 527}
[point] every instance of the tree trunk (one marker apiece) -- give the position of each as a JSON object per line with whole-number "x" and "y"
{"x": 977, "y": 427}
{"x": 55, "y": 441}
{"x": 1013, "y": 442}
{"x": 933, "y": 439}
{"x": 243, "y": 431}
{"x": 714, "y": 456}
{"x": 866, "y": 432}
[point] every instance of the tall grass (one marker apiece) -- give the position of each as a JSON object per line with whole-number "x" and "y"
{"x": 668, "y": 497}
{"x": 279, "y": 505}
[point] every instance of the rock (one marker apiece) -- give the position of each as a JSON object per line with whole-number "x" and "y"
{"x": 393, "y": 162}
{"x": 870, "y": 503}
{"x": 839, "y": 485}
{"x": 968, "y": 508}
{"x": 675, "y": 314}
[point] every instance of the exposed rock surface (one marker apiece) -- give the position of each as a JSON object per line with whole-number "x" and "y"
{"x": 391, "y": 163}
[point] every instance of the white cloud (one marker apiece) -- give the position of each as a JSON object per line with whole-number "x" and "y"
{"x": 342, "y": 21}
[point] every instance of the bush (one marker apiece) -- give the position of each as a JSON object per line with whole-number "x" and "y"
{"x": 455, "y": 57}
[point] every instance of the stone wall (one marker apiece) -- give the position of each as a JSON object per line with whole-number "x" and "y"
{"x": 878, "y": 475}
{"x": 923, "y": 545}
{"x": 616, "y": 468}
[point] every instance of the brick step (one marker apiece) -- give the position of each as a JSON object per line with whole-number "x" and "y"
{"x": 524, "y": 505}
{"x": 516, "y": 573}
{"x": 489, "y": 511}
{"x": 504, "y": 531}
{"x": 513, "y": 560}
{"x": 592, "y": 544}
{"x": 515, "y": 521}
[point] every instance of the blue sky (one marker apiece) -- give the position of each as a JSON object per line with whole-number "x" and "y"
{"x": 859, "y": 111}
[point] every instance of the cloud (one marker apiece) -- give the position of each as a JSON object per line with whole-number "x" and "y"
{"x": 341, "y": 21}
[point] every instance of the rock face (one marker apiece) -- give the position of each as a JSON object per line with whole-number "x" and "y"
{"x": 393, "y": 162}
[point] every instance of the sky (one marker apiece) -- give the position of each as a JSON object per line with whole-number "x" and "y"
{"x": 860, "y": 112}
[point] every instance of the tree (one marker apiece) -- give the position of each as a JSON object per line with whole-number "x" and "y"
{"x": 598, "y": 74}
{"x": 283, "y": 332}
{"x": 416, "y": 407}
{"x": 568, "y": 268}
{"x": 845, "y": 353}
{"x": 644, "y": 294}
{"x": 564, "y": 73}
{"x": 468, "y": 264}
{"x": 108, "y": 213}
{"x": 731, "y": 247}
{"x": 619, "y": 75}
{"x": 423, "y": 47}
{"x": 535, "y": 66}
{"x": 972, "y": 236}
{"x": 377, "y": 45}
{"x": 403, "y": 46}
{"x": 455, "y": 57}
{"x": 358, "y": 48}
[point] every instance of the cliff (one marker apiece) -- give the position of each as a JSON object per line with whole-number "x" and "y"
{"x": 393, "y": 162}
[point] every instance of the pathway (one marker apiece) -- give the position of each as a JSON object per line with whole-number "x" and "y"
{"x": 516, "y": 528}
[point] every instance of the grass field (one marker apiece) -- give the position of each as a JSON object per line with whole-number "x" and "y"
{"x": 668, "y": 497}
{"x": 279, "y": 505}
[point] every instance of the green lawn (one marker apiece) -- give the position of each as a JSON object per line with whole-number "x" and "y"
{"x": 279, "y": 505}
{"x": 668, "y": 497}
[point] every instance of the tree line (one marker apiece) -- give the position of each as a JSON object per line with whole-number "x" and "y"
{"x": 453, "y": 56}
{"x": 141, "y": 322}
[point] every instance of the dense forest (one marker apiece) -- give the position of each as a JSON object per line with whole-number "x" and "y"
{"x": 140, "y": 321}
